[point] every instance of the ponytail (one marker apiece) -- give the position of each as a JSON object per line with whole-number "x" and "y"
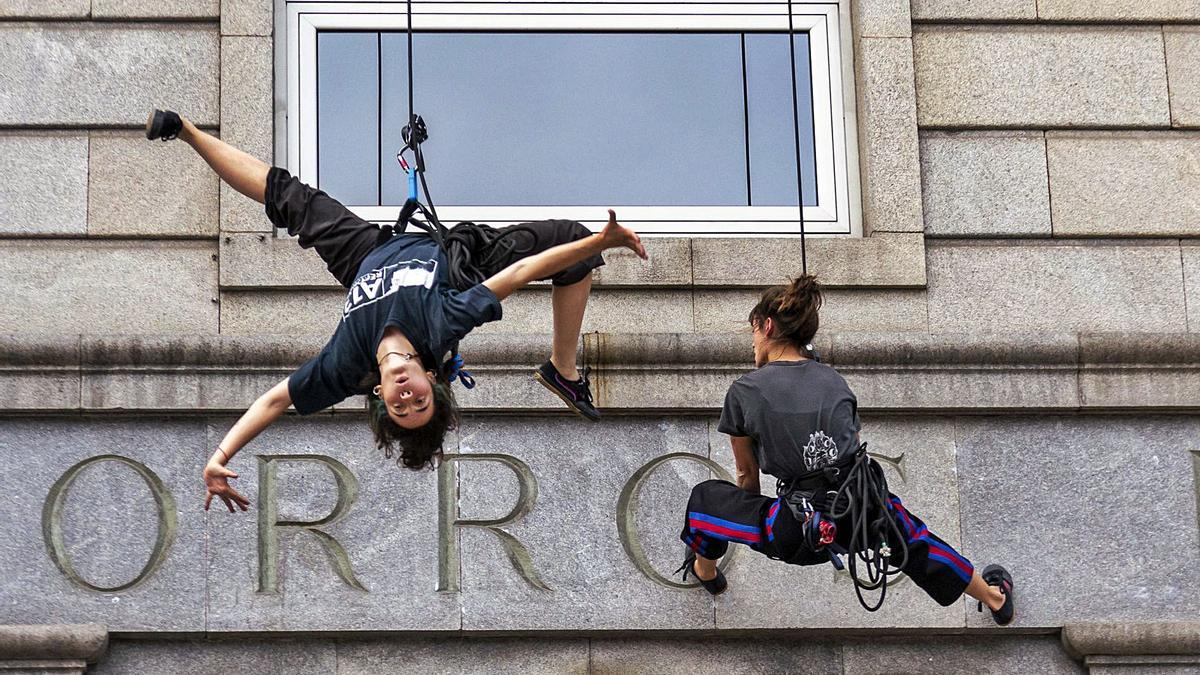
{"x": 793, "y": 308}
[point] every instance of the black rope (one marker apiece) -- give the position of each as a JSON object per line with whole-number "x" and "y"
{"x": 796, "y": 138}
{"x": 875, "y": 537}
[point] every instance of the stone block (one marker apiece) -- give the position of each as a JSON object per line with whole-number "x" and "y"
{"x": 202, "y": 657}
{"x": 281, "y": 312}
{"x": 1078, "y": 287}
{"x": 247, "y": 102}
{"x": 882, "y": 18}
{"x": 713, "y": 656}
{"x": 483, "y": 656}
{"x": 396, "y": 566}
{"x": 669, "y": 264}
{"x": 45, "y": 9}
{"x": 1139, "y": 370}
{"x": 879, "y": 261}
{"x": 43, "y": 183}
{"x": 264, "y": 261}
{"x": 108, "y": 287}
{"x": 156, "y": 9}
{"x": 571, "y": 531}
{"x": 1191, "y": 282}
{"x": 97, "y": 74}
{"x": 1183, "y": 53}
{"x": 609, "y": 310}
{"x": 239, "y": 213}
{"x": 987, "y": 184}
{"x": 1040, "y": 76}
{"x": 977, "y": 372}
{"x": 918, "y": 457}
{"x": 888, "y": 146}
{"x": 984, "y": 655}
{"x": 246, "y": 17}
{"x": 1121, "y": 485}
{"x": 878, "y": 310}
{"x": 108, "y": 521}
{"x": 944, "y": 10}
{"x": 1118, "y": 10}
{"x": 1124, "y": 184}
{"x": 137, "y": 188}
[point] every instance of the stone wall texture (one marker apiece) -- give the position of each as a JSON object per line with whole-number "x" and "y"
{"x": 1019, "y": 322}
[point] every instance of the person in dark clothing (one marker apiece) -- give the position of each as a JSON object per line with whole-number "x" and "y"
{"x": 401, "y": 315}
{"x": 796, "y": 419}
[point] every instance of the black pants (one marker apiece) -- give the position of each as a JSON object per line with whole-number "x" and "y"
{"x": 343, "y": 240}
{"x": 720, "y": 512}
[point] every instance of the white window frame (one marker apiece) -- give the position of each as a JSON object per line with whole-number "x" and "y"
{"x": 836, "y": 213}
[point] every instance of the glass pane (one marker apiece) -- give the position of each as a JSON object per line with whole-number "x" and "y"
{"x": 348, "y": 116}
{"x": 571, "y": 118}
{"x": 772, "y": 140}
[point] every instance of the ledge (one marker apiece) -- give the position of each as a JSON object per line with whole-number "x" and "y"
{"x": 75, "y": 642}
{"x": 1086, "y": 640}
{"x": 890, "y": 372}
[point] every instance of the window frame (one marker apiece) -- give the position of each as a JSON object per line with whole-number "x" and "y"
{"x": 837, "y": 212}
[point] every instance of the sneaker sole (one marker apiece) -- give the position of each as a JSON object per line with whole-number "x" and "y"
{"x": 564, "y": 399}
{"x": 150, "y": 130}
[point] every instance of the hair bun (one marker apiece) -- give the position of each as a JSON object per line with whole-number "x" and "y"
{"x": 802, "y": 290}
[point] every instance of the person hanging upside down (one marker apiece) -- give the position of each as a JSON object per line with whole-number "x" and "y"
{"x": 401, "y": 316}
{"x": 796, "y": 419}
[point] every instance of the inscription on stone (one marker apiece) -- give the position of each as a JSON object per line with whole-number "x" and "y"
{"x": 449, "y": 568}
{"x": 627, "y": 512}
{"x": 52, "y": 531}
{"x": 270, "y": 527}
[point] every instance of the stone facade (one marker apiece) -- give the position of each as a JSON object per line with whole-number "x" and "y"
{"x": 1019, "y": 321}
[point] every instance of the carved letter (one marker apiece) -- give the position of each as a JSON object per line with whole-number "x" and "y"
{"x": 269, "y": 524}
{"x": 164, "y": 504}
{"x": 627, "y": 512}
{"x": 449, "y": 576}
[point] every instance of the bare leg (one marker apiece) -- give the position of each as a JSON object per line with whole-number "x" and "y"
{"x": 705, "y": 569}
{"x": 569, "y": 304}
{"x": 988, "y": 595}
{"x": 244, "y": 173}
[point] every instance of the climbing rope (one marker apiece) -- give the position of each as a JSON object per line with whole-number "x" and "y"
{"x": 796, "y": 138}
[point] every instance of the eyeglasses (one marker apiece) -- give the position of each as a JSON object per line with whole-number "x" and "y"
{"x": 404, "y": 355}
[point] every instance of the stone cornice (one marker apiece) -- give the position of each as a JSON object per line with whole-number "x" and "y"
{"x": 890, "y": 372}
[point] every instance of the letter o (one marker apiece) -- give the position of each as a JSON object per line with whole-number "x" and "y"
{"x": 168, "y": 521}
{"x": 627, "y": 512}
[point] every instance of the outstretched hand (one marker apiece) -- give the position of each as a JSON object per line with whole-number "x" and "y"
{"x": 616, "y": 235}
{"x": 216, "y": 481}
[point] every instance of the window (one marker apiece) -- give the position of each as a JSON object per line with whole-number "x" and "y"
{"x": 678, "y": 115}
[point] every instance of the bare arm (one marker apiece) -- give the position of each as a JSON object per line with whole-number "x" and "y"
{"x": 265, "y": 410}
{"x": 558, "y": 258}
{"x": 747, "y": 464}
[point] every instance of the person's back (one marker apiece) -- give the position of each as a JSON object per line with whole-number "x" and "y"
{"x": 801, "y": 416}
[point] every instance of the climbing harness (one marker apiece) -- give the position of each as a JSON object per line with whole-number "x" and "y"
{"x": 853, "y": 490}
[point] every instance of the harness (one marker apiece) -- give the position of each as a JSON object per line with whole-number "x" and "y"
{"x": 856, "y": 489}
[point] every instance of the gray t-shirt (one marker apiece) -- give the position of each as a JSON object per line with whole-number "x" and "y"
{"x": 801, "y": 416}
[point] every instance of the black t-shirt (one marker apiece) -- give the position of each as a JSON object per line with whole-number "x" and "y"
{"x": 403, "y": 284}
{"x": 801, "y": 416}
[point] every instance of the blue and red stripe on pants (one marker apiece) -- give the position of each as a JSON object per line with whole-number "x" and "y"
{"x": 719, "y": 513}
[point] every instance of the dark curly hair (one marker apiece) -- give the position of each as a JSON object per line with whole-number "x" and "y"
{"x": 793, "y": 309}
{"x": 418, "y": 448}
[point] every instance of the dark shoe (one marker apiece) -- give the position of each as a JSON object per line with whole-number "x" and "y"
{"x": 714, "y": 586}
{"x": 995, "y": 575}
{"x": 577, "y": 395}
{"x": 163, "y": 124}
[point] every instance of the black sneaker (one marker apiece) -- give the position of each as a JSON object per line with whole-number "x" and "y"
{"x": 714, "y": 586}
{"x": 164, "y": 124}
{"x": 995, "y": 575}
{"x": 577, "y": 395}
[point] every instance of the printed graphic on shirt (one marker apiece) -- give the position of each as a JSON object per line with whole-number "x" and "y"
{"x": 820, "y": 451}
{"x": 380, "y": 283}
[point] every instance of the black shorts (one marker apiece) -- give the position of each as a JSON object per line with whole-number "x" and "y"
{"x": 343, "y": 240}
{"x": 720, "y": 512}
